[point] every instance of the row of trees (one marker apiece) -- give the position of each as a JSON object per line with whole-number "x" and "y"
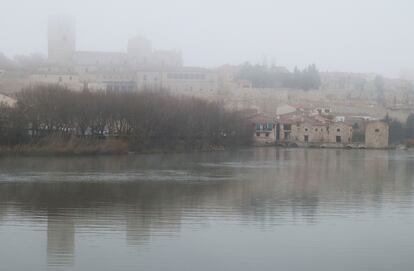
{"x": 305, "y": 79}
{"x": 272, "y": 77}
{"x": 144, "y": 120}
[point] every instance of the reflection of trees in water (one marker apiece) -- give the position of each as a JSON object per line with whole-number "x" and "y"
{"x": 263, "y": 178}
{"x": 265, "y": 187}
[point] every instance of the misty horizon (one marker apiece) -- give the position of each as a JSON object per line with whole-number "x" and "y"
{"x": 367, "y": 37}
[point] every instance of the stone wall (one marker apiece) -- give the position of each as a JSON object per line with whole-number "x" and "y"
{"x": 340, "y": 132}
{"x": 376, "y": 134}
{"x": 307, "y": 132}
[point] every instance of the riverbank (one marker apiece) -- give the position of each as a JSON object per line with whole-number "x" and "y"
{"x": 354, "y": 145}
{"x": 73, "y": 146}
{"x": 83, "y": 147}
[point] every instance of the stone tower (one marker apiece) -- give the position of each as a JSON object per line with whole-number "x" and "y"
{"x": 61, "y": 39}
{"x": 139, "y": 51}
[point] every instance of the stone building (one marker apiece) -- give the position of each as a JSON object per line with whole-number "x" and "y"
{"x": 62, "y": 51}
{"x": 307, "y": 129}
{"x": 312, "y": 132}
{"x": 340, "y": 132}
{"x": 139, "y": 68}
{"x": 183, "y": 81}
{"x": 68, "y": 80}
{"x": 139, "y": 50}
{"x": 376, "y": 134}
{"x": 296, "y": 128}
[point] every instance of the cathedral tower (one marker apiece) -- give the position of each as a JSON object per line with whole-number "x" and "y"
{"x": 61, "y": 39}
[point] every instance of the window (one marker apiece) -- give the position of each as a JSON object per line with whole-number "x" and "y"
{"x": 268, "y": 126}
{"x": 306, "y": 129}
{"x": 338, "y": 139}
{"x": 316, "y": 129}
{"x": 258, "y": 134}
{"x": 376, "y": 130}
{"x": 267, "y": 134}
{"x": 306, "y": 138}
{"x": 287, "y": 127}
{"x": 338, "y": 130}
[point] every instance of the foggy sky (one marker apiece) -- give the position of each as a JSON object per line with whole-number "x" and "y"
{"x": 346, "y": 35}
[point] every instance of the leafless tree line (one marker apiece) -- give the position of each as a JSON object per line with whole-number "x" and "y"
{"x": 144, "y": 119}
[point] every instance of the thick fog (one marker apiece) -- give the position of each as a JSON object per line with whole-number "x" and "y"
{"x": 351, "y": 35}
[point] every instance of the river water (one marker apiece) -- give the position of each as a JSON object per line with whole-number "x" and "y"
{"x": 253, "y": 209}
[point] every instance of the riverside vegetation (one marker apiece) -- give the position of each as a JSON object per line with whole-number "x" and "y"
{"x": 55, "y": 120}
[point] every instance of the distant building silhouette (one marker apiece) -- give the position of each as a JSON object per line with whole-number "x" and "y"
{"x": 61, "y": 39}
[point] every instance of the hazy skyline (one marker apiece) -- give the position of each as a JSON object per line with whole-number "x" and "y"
{"x": 359, "y": 36}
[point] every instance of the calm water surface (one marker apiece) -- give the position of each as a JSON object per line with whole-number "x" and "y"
{"x": 255, "y": 209}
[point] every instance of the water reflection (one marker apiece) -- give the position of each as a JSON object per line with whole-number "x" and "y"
{"x": 60, "y": 240}
{"x": 145, "y": 197}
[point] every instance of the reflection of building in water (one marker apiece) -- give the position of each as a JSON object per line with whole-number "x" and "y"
{"x": 138, "y": 229}
{"x": 141, "y": 224}
{"x": 60, "y": 240}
